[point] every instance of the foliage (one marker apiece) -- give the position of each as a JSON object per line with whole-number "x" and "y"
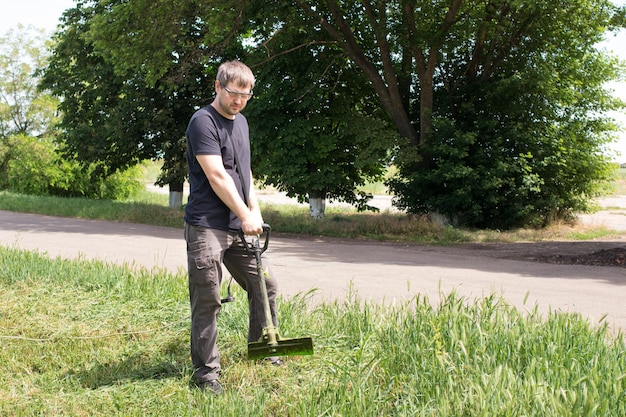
{"x": 519, "y": 128}
{"x": 499, "y": 102}
{"x": 111, "y": 43}
{"x": 114, "y": 338}
{"x": 506, "y": 98}
{"x": 34, "y": 166}
{"x": 23, "y": 109}
{"x": 27, "y": 165}
{"x": 313, "y": 114}
{"x": 117, "y": 119}
{"x": 166, "y": 42}
{"x": 172, "y": 50}
{"x": 373, "y": 36}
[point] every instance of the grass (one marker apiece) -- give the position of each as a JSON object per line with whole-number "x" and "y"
{"x": 85, "y": 338}
{"x": 148, "y": 208}
{"x": 619, "y": 184}
{"x": 152, "y": 208}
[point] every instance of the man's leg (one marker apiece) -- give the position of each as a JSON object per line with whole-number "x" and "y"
{"x": 204, "y": 251}
{"x": 243, "y": 268}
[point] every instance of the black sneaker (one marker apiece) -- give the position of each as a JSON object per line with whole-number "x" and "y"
{"x": 212, "y": 385}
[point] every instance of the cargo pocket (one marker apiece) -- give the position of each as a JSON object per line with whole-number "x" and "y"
{"x": 203, "y": 265}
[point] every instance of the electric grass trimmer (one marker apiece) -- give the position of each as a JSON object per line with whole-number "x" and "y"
{"x": 271, "y": 344}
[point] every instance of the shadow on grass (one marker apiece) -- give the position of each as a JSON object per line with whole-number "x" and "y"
{"x": 170, "y": 363}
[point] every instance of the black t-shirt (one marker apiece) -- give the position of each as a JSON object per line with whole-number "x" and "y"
{"x": 208, "y": 133}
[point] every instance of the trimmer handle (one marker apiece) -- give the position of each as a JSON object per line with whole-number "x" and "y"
{"x": 255, "y": 244}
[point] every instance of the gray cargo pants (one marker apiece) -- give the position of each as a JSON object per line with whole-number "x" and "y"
{"x": 206, "y": 250}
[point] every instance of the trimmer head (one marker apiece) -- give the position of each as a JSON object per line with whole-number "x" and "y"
{"x": 283, "y": 347}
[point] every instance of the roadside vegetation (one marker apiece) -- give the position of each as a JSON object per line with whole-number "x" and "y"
{"x": 147, "y": 207}
{"x": 510, "y": 131}
{"x": 86, "y": 338}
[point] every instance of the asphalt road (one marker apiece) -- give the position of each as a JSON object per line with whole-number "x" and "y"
{"x": 378, "y": 272}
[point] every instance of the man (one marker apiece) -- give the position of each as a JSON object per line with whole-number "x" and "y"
{"x": 222, "y": 201}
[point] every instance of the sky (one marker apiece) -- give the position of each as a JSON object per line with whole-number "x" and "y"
{"x": 45, "y": 14}
{"x": 42, "y": 14}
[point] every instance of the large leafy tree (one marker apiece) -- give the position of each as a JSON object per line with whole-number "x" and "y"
{"x": 97, "y": 123}
{"x": 163, "y": 43}
{"x": 113, "y": 115}
{"x": 313, "y": 114}
{"x": 27, "y": 115}
{"x": 397, "y": 45}
{"x": 177, "y": 45}
{"x": 499, "y": 100}
{"x": 173, "y": 48}
{"x": 518, "y": 128}
{"x": 23, "y": 108}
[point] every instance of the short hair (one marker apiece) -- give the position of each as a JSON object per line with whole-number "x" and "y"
{"x": 237, "y": 72}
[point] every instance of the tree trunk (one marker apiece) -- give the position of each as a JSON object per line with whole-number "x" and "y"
{"x": 317, "y": 204}
{"x": 176, "y": 195}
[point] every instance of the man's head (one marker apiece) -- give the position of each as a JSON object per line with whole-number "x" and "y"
{"x": 237, "y": 73}
{"x": 233, "y": 88}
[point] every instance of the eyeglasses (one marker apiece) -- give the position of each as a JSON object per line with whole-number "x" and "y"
{"x": 235, "y": 94}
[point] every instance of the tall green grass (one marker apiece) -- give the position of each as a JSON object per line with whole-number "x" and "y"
{"x": 87, "y": 338}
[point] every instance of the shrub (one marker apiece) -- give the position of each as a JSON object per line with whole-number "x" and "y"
{"x": 31, "y": 165}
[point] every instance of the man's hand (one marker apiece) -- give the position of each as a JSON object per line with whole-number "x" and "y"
{"x": 252, "y": 225}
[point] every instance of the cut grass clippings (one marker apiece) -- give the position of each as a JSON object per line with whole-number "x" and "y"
{"x": 87, "y": 338}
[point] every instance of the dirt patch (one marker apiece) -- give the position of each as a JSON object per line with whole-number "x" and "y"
{"x": 610, "y": 253}
{"x": 606, "y": 257}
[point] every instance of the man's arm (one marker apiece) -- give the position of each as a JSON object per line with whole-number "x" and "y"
{"x": 226, "y": 190}
{"x": 253, "y": 202}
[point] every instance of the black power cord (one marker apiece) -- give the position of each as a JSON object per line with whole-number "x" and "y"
{"x": 229, "y": 298}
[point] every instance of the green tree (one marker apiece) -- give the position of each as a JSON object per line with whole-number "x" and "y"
{"x": 486, "y": 93}
{"x": 23, "y": 108}
{"x": 33, "y": 165}
{"x": 164, "y": 41}
{"x": 114, "y": 117}
{"x": 313, "y": 115}
{"x": 173, "y": 47}
{"x": 519, "y": 130}
{"x": 495, "y": 99}
{"x": 397, "y": 46}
